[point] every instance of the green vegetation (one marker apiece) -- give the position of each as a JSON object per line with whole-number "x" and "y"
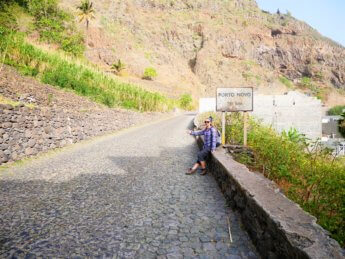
{"x": 54, "y": 69}
{"x": 306, "y": 82}
{"x": 285, "y": 81}
{"x": 52, "y": 24}
{"x": 307, "y": 172}
{"x": 119, "y": 66}
{"x": 318, "y": 92}
{"x": 86, "y": 12}
{"x": 149, "y": 73}
{"x": 336, "y": 110}
{"x": 185, "y": 102}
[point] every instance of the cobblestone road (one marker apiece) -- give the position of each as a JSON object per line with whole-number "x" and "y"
{"x": 120, "y": 196}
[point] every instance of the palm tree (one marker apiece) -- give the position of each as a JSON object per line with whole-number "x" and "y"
{"x": 119, "y": 66}
{"x": 86, "y": 12}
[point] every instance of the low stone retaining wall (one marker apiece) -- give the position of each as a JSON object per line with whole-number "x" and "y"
{"x": 25, "y": 132}
{"x": 278, "y": 227}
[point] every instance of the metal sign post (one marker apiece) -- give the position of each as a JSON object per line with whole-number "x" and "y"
{"x": 245, "y": 128}
{"x": 235, "y": 100}
{"x": 223, "y": 128}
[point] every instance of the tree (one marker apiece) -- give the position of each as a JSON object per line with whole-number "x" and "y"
{"x": 86, "y": 12}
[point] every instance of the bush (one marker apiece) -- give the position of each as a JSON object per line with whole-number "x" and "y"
{"x": 119, "y": 66}
{"x": 306, "y": 82}
{"x": 185, "y": 102}
{"x": 306, "y": 171}
{"x": 336, "y": 110}
{"x": 149, "y": 73}
{"x": 7, "y": 18}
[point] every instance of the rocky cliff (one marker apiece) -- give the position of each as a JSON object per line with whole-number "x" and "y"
{"x": 198, "y": 45}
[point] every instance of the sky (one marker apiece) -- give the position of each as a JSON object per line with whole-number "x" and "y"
{"x": 326, "y": 16}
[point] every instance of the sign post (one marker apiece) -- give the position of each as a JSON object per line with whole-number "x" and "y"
{"x": 245, "y": 128}
{"x": 223, "y": 128}
{"x": 234, "y": 100}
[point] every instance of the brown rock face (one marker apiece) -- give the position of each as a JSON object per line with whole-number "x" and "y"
{"x": 198, "y": 45}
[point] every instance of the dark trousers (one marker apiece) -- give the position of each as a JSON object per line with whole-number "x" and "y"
{"x": 203, "y": 154}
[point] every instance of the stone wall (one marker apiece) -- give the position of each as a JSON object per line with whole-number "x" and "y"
{"x": 278, "y": 227}
{"x": 26, "y": 132}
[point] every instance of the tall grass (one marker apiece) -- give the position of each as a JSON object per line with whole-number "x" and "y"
{"x": 54, "y": 69}
{"x": 306, "y": 171}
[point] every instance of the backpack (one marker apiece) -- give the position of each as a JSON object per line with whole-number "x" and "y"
{"x": 218, "y": 142}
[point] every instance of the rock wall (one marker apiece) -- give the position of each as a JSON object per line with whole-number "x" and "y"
{"x": 278, "y": 227}
{"x": 26, "y": 132}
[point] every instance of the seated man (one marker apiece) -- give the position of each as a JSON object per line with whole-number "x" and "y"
{"x": 210, "y": 141}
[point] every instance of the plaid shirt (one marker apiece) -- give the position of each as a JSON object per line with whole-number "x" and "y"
{"x": 208, "y": 134}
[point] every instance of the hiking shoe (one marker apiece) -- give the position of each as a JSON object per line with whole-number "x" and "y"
{"x": 191, "y": 171}
{"x": 203, "y": 171}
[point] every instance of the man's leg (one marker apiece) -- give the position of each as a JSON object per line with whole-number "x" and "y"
{"x": 203, "y": 168}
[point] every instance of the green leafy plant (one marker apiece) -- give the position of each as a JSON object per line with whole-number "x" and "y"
{"x": 306, "y": 82}
{"x": 149, "y": 73}
{"x": 185, "y": 101}
{"x": 119, "y": 66}
{"x": 336, "y": 110}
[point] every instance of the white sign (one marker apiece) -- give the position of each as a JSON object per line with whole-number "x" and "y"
{"x": 235, "y": 99}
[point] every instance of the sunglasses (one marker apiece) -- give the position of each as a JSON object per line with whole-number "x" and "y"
{"x": 207, "y": 121}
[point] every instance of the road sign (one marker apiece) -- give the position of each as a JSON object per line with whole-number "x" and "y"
{"x": 235, "y": 99}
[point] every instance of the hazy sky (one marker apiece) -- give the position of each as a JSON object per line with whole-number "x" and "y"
{"x": 326, "y": 16}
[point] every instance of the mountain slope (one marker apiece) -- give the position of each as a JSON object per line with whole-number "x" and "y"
{"x": 196, "y": 46}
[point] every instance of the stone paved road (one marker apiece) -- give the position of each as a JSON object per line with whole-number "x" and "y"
{"x": 120, "y": 196}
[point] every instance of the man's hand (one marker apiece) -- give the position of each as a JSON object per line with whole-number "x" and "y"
{"x": 189, "y": 132}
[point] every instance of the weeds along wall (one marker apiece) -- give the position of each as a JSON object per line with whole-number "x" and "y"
{"x": 58, "y": 70}
{"x": 306, "y": 171}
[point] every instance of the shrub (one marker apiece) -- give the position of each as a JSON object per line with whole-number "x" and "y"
{"x": 149, "y": 73}
{"x": 119, "y": 66}
{"x": 306, "y": 82}
{"x": 185, "y": 101}
{"x": 7, "y": 18}
{"x": 336, "y": 110}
